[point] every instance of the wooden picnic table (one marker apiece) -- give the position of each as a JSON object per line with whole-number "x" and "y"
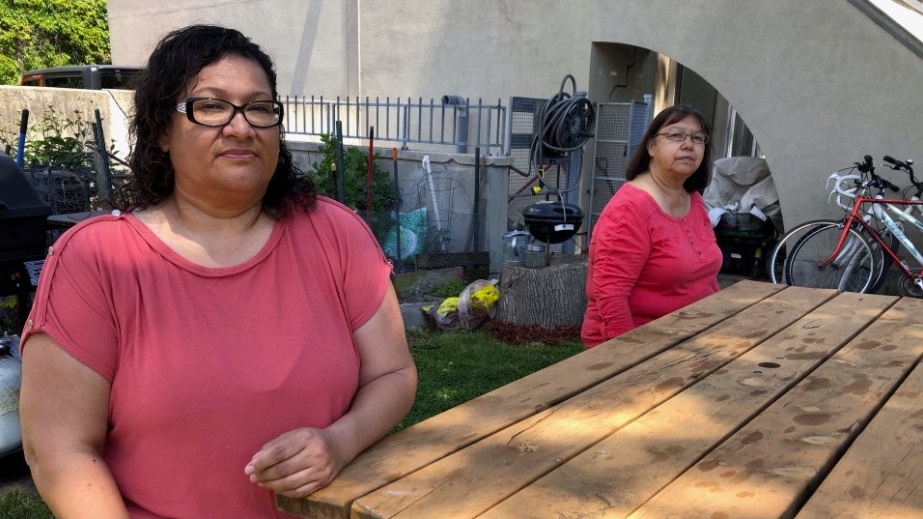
{"x": 761, "y": 401}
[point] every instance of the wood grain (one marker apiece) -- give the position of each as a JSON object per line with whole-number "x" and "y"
{"x": 769, "y": 466}
{"x": 471, "y": 481}
{"x": 881, "y": 475}
{"x": 618, "y": 474}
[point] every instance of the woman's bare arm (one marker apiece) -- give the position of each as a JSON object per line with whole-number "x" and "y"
{"x": 64, "y": 407}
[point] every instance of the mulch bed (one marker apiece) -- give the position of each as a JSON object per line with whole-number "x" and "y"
{"x": 517, "y": 334}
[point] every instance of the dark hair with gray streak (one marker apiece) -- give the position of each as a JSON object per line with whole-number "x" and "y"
{"x": 640, "y": 161}
{"x": 175, "y": 62}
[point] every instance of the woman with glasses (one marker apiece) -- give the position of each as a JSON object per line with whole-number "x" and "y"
{"x": 653, "y": 250}
{"x": 225, "y": 334}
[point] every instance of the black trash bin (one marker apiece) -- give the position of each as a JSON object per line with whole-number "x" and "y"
{"x": 745, "y": 241}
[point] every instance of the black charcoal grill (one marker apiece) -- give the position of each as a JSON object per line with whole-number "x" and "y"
{"x": 552, "y": 221}
{"x": 23, "y": 222}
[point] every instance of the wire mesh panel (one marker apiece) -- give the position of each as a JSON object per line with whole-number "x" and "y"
{"x": 523, "y": 111}
{"x": 437, "y": 194}
{"x": 619, "y": 129}
{"x": 64, "y": 191}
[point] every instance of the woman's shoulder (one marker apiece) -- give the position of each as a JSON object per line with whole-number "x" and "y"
{"x": 327, "y": 217}
{"x": 100, "y": 232}
{"x": 330, "y": 211}
{"x": 635, "y": 199}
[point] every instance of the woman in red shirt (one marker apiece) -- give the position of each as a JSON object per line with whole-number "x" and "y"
{"x": 653, "y": 250}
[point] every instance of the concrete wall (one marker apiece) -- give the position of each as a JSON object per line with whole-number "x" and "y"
{"x": 114, "y": 107}
{"x": 313, "y": 42}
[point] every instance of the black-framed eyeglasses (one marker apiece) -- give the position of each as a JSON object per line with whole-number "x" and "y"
{"x": 208, "y": 111}
{"x": 680, "y": 136}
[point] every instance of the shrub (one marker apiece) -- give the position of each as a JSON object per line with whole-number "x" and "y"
{"x": 355, "y": 171}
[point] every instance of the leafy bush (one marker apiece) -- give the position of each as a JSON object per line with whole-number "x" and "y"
{"x": 63, "y": 142}
{"x": 451, "y": 288}
{"x": 355, "y": 172}
{"x": 50, "y": 33}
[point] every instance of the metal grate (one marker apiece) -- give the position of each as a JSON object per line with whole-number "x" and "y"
{"x": 619, "y": 129}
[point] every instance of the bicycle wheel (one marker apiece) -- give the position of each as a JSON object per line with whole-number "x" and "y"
{"x": 908, "y": 287}
{"x": 854, "y": 268}
{"x": 775, "y": 263}
{"x": 881, "y": 258}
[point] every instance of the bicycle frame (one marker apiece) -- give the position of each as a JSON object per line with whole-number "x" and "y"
{"x": 855, "y": 217}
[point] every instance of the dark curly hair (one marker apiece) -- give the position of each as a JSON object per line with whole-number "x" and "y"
{"x": 177, "y": 60}
{"x": 640, "y": 160}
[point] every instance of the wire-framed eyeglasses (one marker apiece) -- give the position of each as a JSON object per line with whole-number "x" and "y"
{"x": 208, "y": 111}
{"x": 699, "y": 138}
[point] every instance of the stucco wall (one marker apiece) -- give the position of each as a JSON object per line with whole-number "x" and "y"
{"x": 819, "y": 83}
{"x": 313, "y": 42}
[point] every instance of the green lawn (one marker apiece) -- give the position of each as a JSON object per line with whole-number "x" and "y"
{"x": 23, "y": 505}
{"x": 453, "y": 367}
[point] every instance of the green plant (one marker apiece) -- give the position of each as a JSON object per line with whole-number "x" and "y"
{"x": 451, "y": 288}
{"x": 437, "y": 240}
{"x": 355, "y": 172}
{"x": 9, "y": 313}
{"x": 50, "y": 33}
{"x": 63, "y": 142}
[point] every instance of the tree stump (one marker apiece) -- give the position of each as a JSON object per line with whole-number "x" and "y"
{"x": 550, "y": 297}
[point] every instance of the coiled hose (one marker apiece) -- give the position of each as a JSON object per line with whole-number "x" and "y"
{"x": 563, "y": 125}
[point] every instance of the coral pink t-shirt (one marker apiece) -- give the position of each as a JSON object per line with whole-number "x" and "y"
{"x": 645, "y": 263}
{"x": 209, "y": 364}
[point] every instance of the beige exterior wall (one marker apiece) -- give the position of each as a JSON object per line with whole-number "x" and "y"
{"x": 819, "y": 83}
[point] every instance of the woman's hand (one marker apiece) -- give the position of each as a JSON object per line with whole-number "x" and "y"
{"x": 303, "y": 461}
{"x": 297, "y": 463}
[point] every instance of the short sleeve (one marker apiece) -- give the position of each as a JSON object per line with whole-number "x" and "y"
{"x": 72, "y": 300}
{"x": 365, "y": 271}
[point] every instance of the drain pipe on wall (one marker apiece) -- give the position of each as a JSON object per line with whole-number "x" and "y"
{"x": 461, "y": 121}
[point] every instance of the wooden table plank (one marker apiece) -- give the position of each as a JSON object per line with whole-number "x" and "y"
{"x": 621, "y": 472}
{"x": 452, "y": 430}
{"x": 768, "y": 467}
{"x": 471, "y": 481}
{"x": 881, "y": 475}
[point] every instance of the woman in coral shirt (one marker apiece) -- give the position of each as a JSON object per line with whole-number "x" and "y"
{"x": 653, "y": 250}
{"x": 225, "y": 336}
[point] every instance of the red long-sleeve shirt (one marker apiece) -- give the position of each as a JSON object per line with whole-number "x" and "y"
{"x": 645, "y": 263}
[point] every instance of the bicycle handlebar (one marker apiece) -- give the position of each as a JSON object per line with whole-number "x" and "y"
{"x": 908, "y": 167}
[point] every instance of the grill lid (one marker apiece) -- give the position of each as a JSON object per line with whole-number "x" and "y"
{"x": 551, "y": 221}
{"x": 18, "y": 198}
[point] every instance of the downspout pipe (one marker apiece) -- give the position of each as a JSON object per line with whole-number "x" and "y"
{"x": 461, "y": 122}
